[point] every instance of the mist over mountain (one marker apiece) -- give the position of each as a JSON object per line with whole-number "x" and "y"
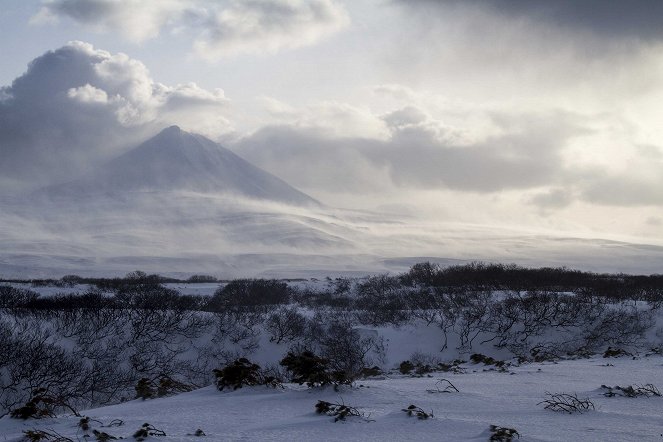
{"x": 175, "y": 160}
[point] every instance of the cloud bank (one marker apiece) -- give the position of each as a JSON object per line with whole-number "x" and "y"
{"x": 640, "y": 19}
{"x": 532, "y": 155}
{"x": 218, "y": 28}
{"x": 78, "y": 105}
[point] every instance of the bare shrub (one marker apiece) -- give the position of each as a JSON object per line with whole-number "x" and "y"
{"x": 146, "y": 430}
{"x": 240, "y": 373}
{"x": 347, "y": 350}
{"x": 339, "y": 412}
{"x": 566, "y": 403}
{"x": 444, "y": 386}
{"x": 30, "y": 362}
{"x": 381, "y": 300}
{"x": 40, "y": 405}
{"x": 417, "y": 412}
{"x": 250, "y": 294}
{"x": 285, "y": 324}
{"x": 44, "y": 436}
{"x": 307, "y": 368}
{"x": 647, "y": 390}
{"x": 620, "y": 326}
{"x": 502, "y": 434}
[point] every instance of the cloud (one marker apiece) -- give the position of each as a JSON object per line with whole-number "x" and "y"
{"x": 419, "y": 153}
{"x": 623, "y": 190}
{"x": 654, "y": 221}
{"x": 528, "y": 52}
{"x": 254, "y": 26}
{"x": 78, "y": 105}
{"x": 557, "y": 198}
{"x": 329, "y": 118}
{"x": 640, "y": 19}
{"x": 547, "y": 159}
{"x": 312, "y": 161}
{"x": 137, "y": 20}
{"x": 219, "y": 28}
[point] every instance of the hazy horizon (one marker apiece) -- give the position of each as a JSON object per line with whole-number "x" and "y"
{"x": 492, "y": 130}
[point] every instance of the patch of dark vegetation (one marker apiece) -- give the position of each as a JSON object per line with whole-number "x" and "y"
{"x": 418, "y": 412}
{"x": 502, "y": 434}
{"x": 339, "y": 412}
{"x": 406, "y": 367}
{"x": 647, "y": 390}
{"x": 102, "y": 436}
{"x": 44, "y": 436}
{"x": 566, "y": 403}
{"x": 250, "y": 293}
{"x": 371, "y": 372}
{"x": 97, "y": 347}
{"x": 307, "y": 368}
{"x": 615, "y": 353}
{"x": 41, "y": 404}
{"x": 146, "y": 430}
{"x": 418, "y": 369}
{"x": 166, "y": 386}
{"x": 488, "y": 276}
{"x": 479, "y": 358}
{"x": 241, "y": 373}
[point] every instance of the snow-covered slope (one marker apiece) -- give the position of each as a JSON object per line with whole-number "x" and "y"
{"x": 175, "y": 160}
{"x": 182, "y": 204}
{"x": 485, "y": 398}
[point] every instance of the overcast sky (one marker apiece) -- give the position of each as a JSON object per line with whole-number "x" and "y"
{"x": 526, "y": 114}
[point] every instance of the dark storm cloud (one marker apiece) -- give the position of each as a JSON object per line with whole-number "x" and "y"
{"x": 640, "y": 19}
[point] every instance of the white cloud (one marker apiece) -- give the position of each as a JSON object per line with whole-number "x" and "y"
{"x": 254, "y": 26}
{"x": 88, "y": 94}
{"x": 137, "y": 20}
{"x": 219, "y": 28}
{"x": 78, "y": 105}
{"x": 328, "y": 118}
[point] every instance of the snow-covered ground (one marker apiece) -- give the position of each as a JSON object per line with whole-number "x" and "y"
{"x": 508, "y": 399}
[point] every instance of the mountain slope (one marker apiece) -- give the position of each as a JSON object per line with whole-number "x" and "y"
{"x": 175, "y": 160}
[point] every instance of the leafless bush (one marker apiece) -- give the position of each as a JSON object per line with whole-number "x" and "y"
{"x": 339, "y": 412}
{"x": 146, "y": 430}
{"x": 619, "y": 326}
{"x": 444, "y": 386}
{"x": 347, "y": 350}
{"x": 286, "y": 324}
{"x": 566, "y": 403}
{"x": 382, "y": 300}
{"x": 243, "y": 294}
{"x": 30, "y": 362}
{"x": 305, "y": 367}
{"x": 647, "y": 390}
{"x": 502, "y": 434}
{"x": 44, "y": 436}
{"x": 472, "y": 311}
{"x": 243, "y": 372}
{"x": 417, "y": 412}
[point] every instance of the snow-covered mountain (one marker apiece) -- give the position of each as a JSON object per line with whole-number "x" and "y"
{"x": 181, "y": 204}
{"x": 175, "y": 160}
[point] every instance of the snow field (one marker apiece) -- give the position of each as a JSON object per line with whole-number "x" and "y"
{"x": 486, "y": 397}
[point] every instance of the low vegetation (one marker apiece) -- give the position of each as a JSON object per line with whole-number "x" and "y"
{"x": 134, "y": 337}
{"x": 566, "y": 403}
